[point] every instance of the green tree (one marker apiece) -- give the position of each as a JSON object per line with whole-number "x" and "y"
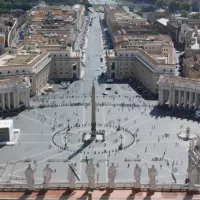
{"x": 185, "y": 6}
{"x": 184, "y": 13}
{"x": 161, "y": 3}
{"x": 173, "y": 6}
{"x": 195, "y": 6}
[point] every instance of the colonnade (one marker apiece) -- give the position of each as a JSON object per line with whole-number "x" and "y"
{"x": 12, "y": 100}
{"x": 184, "y": 97}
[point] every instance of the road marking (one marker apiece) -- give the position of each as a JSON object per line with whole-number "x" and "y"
{"x": 35, "y": 120}
{"x": 37, "y": 163}
{"x": 131, "y": 120}
{"x": 83, "y": 115}
{"x": 81, "y": 156}
{"x": 32, "y": 156}
{"x": 49, "y": 117}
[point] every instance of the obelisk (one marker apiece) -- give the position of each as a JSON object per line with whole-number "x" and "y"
{"x": 93, "y": 119}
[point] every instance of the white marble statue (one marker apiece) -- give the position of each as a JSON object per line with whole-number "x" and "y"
{"x": 112, "y": 175}
{"x": 152, "y": 172}
{"x": 71, "y": 176}
{"x": 47, "y": 176}
{"x": 90, "y": 172}
{"x": 192, "y": 177}
{"x": 137, "y": 176}
{"x": 29, "y": 173}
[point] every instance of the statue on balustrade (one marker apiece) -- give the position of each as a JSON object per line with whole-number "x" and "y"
{"x": 192, "y": 175}
{"x": 112, "y": 175}
{"x": 47, "y": 176}
{"x": 152, "y": 172}
{"x": 90, "y": 172}
{"x": 71, "y": 176}
{"x": 137, "y": 176}
{"x": 29, "y": 173}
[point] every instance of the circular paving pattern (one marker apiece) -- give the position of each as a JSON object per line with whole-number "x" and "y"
{"x": 115, "y": 139}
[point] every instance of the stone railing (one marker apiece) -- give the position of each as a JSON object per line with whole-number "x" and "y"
{"x": 102, "y": 186}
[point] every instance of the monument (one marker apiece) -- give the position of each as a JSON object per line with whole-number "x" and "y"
{"x": 192, "y": 175}
{"x": 94, "y": 135}
{"x": 111, "y": 176}
{"x": 152, "y": 172}
{"x": 71, "y": 176}
{"x": 30, "y": 178}
{"x": 47, "y": 176}
{"x": 137, "y": 176}
{"x": 93, "y": 116}
{"x": 90, "y": 172}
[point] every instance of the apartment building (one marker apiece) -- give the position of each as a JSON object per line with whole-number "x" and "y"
{"x": 191, "y": 67}
{"x": 145, "y": 60}
{"x": 121, "y": 22}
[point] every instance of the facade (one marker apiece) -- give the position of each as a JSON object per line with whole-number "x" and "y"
{"x": 142, "y": 57}
{"x": 180, "y": 92}
{"x": 191, "y": 67}
{"x": 14, "y": 92}
{"x": 40, "y": 65}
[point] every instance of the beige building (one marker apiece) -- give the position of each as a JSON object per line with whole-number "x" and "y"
{"x": 129, "y": 60}
{"x": 14, "y": 92}
{"x": 177, "y": 91}
{"x": 191, "y": 67}
{"x": 36, "y": 64}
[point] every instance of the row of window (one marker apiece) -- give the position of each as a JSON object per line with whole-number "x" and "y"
{"x": 15, "y": 71}
{"x": 74, "y": 68}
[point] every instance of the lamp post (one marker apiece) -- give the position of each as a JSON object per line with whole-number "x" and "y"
{"x": 118, "y": 128}
{"x": 68, "y": 127}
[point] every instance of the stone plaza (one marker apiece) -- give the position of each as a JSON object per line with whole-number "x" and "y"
{"x": 51, "y": 134}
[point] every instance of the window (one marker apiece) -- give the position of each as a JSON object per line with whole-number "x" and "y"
{"x": 164, "y": 70}
{"x": 66, "y": 72}
{"x": 120, "y": 54}
{"x": 54, "y": 64}
{"x": 60, "y": 64}
{"x": 66, "y": 55}
{"x": 113, "y": 66}
{"x": 74, "y": 67}
{"x": 0, "y": 72}
{"x": 60, "y": 55}
{"x": 30, "y": 80}
{"x": 60, "y": 72}
{"x": 8, "y": 71}
{"x": 126, "y": 54}
{"x": 16, "y": 71}
{"x": 55, "y": 72}
{"x": 23, "y": 70}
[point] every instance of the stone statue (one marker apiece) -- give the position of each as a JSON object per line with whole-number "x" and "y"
{"x": 71, "y": 176}
{"x": 152, "y": 177}
{"x": 192, "y": 175}
{"x": 137, "y": 176}
{"x": 90, "y": 172}
{"x": 47, "y": 176}
{"x": 30, "y": 178}
{"x": 111, "y": 176}
{"x": 198, "y": 141}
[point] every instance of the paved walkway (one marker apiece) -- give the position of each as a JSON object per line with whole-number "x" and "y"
{"x": 82, "y": 194}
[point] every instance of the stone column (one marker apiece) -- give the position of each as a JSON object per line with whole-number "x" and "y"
{"x": 170, "y": 97}
{"x": 179, "y": 98}
{"x": 3, "y": 101}
{"x": 190, "y": 99}
{"x": 196, "y": 102}
{"x": 185, "y": 99}
{"x": 173, "y": 97}
{"x": 17, "y": 99}
{"x": 162, "y": 96}
{"x": 8, "y": 102}
{"x": 14, "y": 100}
{"x": 159, "y": 96}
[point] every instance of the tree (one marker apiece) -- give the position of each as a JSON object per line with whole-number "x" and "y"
{"x": 173, "y": 6}
{"x": 184, "y": 13}
{"x": 185, "y": 6}
{"x": 195, "y": 7}
{"x": 195, "y": 16}
{"x": 161, "y": 3}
